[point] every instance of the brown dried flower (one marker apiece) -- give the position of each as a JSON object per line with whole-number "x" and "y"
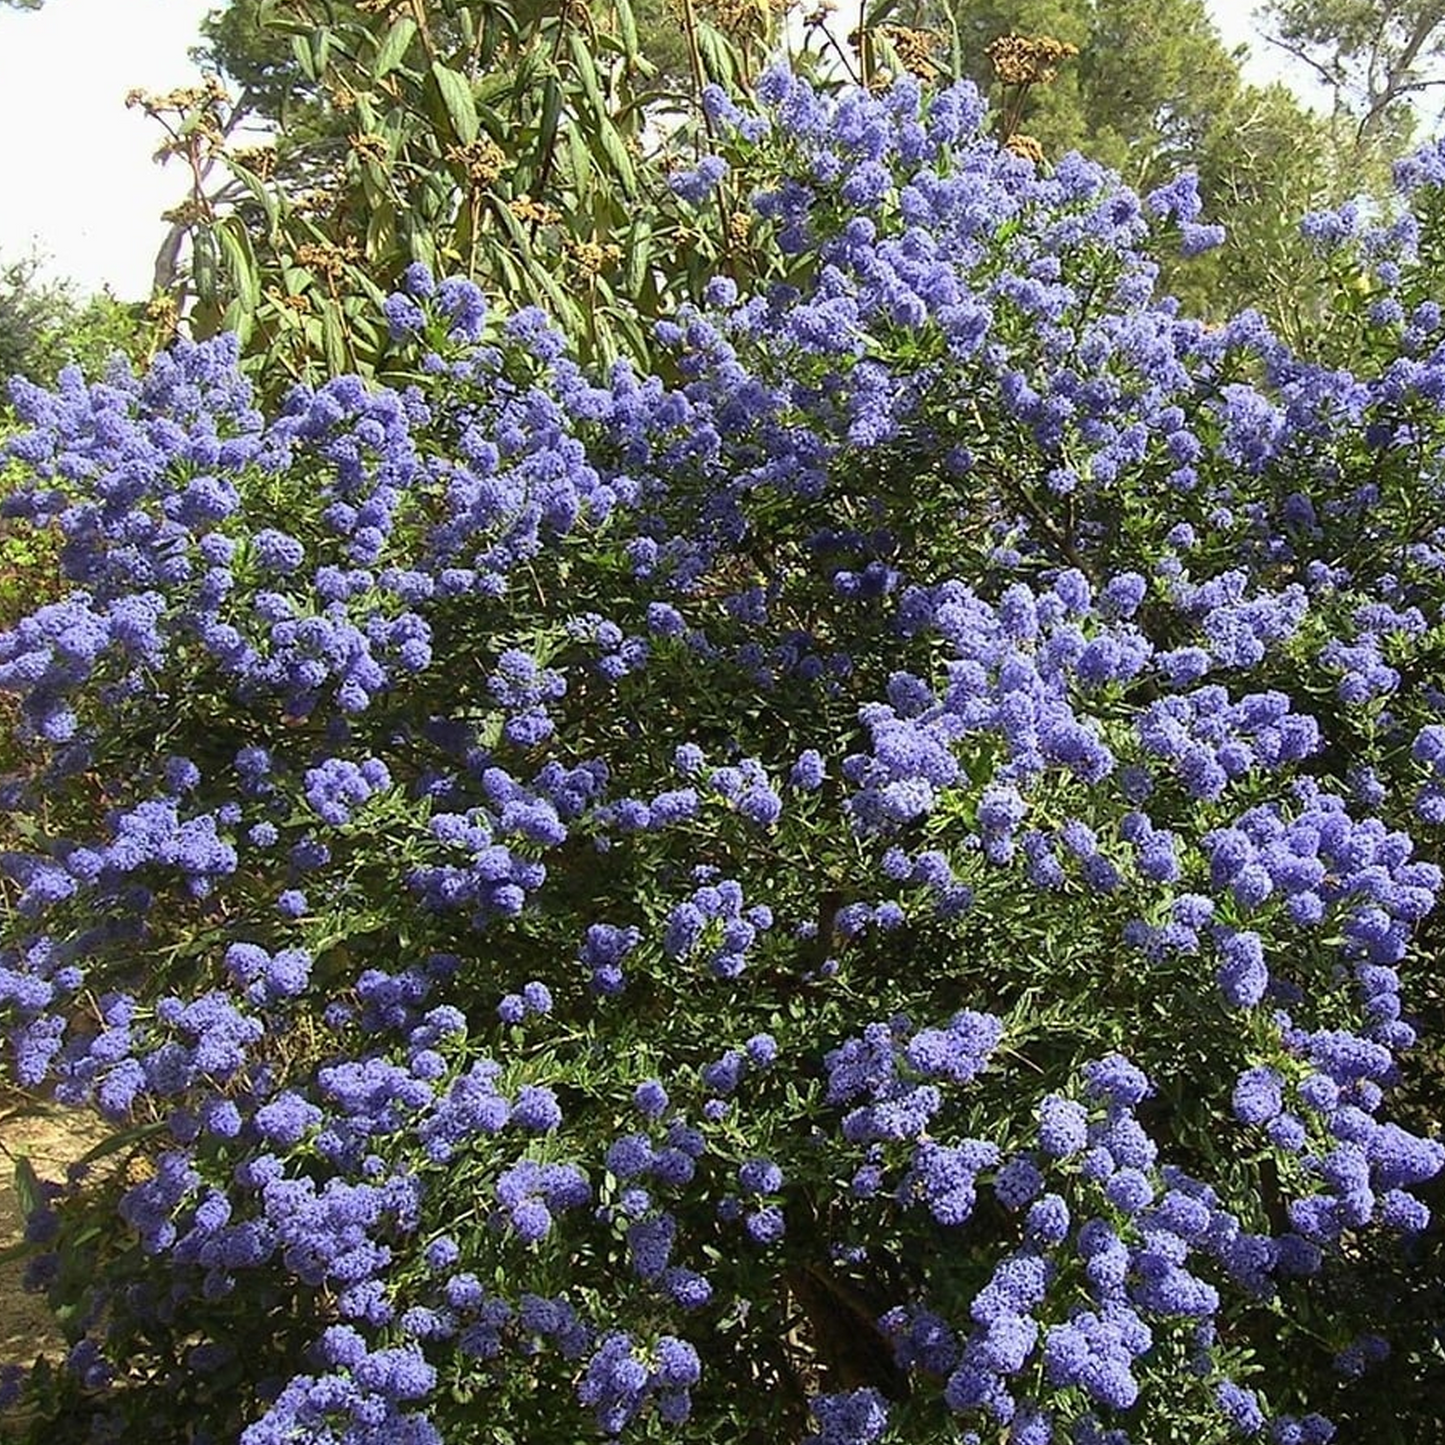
{"x": 524, "y": 208}
{"x": 186, "y": 212}
{"x": 1028, "y": 59}
{"x": 329, "y": 260}
{"x": 915, "y": 49}
{"x": 259, "y": 160}
{"x": 483, "y": 160}
{"x": 741, "y": 17}
{"x": 1026, "y": 146}
{"x": 371, "y": 147}
{"x": 591, "y": 258}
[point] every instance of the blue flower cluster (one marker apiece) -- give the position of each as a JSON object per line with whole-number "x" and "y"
{"x": 486, "y": 844}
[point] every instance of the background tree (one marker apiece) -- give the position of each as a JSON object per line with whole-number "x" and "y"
{"x": 1139, "y": 96}
{"x": 1381, "y": 61}
{"x": 1152, "y": 91}
{"x": 44, "y": 325}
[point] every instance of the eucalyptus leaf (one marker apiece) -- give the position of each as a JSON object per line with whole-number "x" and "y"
{"x": 586, "y": 69}
{"x": 614, "y": 151}
{"x": 301, "y": 49}
{"x": 333, "y": 338}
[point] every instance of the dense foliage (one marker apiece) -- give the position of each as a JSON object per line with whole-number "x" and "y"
{"x": 45, "y": 325}
{"x": 879, "y": 888}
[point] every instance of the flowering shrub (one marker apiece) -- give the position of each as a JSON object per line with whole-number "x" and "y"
{"x": 874, "y": 890}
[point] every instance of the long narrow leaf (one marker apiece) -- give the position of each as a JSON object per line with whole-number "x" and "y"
{"x": 392, "y": 50}
{"x": 301, "y": 49}
{"x": 615, "y": 152}
{"x": 456, "y": 95}
{"x": 586, "y": 69}
{"x": 240, "y": 261}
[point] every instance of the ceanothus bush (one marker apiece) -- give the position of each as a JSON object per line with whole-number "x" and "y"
{"x": 875, "y": 887}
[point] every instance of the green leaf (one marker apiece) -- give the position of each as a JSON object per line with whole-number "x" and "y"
{"x": 203, "y": 264}
{"x": 718, "y": 57}
{"x": 423, "y": 248}
{"x": 264, "y": 196}
{"x": 456, "y": 95}
{"x": 333, "y": 338}
{"x": 638, "y": 344}
{"x": 587, "y": 72}
{"x": 581, "y": 159}
{"x": 365, "y": 112}
{"x": 240, "y": 260}
{"x": 27, "y": 1186}
{"x": 237, "y": 317}
{"x": 551, "y": 117}
{"x": 393, "y": 48}
{"x": 491, "y": 85}
{"x": 301, "y": 49}
{"x": 380, "y": 231}
{"x": 627, "y": 24}
{"x": 562, "y": 306}
{"x": 363, "y": 283}
{"x": 122, "y": 1139}
{"x": 610, "y": 139}
{"x": 638, "y": 254}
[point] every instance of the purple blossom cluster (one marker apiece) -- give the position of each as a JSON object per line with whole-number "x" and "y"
{"x": 1117, "y": 1253}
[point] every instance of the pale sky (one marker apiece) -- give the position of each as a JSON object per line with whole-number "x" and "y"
{"x": 77, "y": 182}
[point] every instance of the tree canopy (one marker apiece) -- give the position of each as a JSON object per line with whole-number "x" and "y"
{"x": 1382, "y": 60}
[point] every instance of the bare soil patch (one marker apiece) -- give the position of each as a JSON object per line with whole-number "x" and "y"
{"x": 52, "y": 1138}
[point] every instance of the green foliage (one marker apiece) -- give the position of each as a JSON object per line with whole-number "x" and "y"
{"x": 45, "y": 326}
{"x": 1262, "y": 164}
{"x": 523, "y": 146}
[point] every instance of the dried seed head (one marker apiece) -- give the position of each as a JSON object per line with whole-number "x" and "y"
{"x": 371, "y": 147}
{"x": 915, "y": 49}
{"x": 1028, "y": 59}
{"x": 592, "y": 258}
{"x": 1026, "y": 146}
{"x": 483, "y": 160}
{"x": 524, "y": 208}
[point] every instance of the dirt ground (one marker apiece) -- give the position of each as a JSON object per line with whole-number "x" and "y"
{"x": 51, "y": 1138}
